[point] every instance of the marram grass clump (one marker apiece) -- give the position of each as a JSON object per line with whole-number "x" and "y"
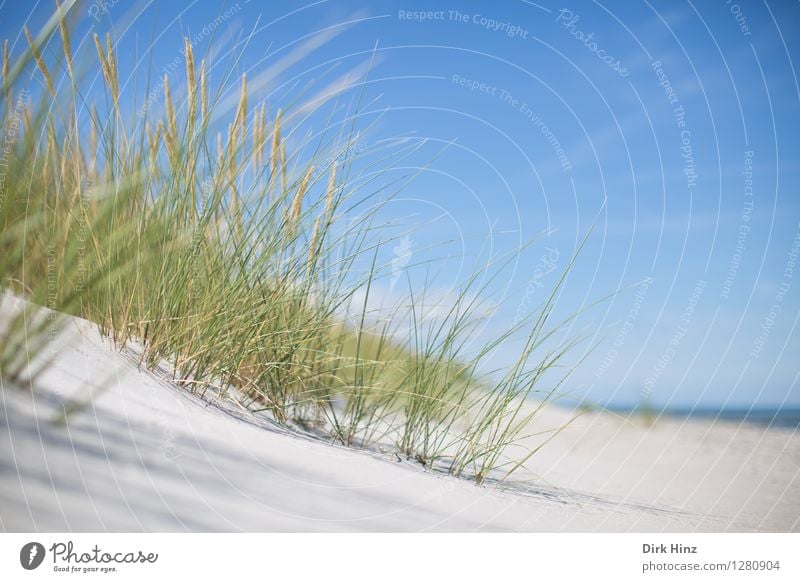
{"x": 223, "y": 255}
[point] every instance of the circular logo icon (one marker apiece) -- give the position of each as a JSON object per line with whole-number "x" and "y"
{"x": 31, "y": 555}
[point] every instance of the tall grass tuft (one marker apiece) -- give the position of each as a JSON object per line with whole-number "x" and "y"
{"x": 233, "y": 266}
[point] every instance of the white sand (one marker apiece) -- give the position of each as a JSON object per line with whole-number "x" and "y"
{"x": 147, "y": 456}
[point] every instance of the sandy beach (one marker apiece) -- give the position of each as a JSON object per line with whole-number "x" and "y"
{"x": 145, "y": 455}
{"x": 316, "y": 264}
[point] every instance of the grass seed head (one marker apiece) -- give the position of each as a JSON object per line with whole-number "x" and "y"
{"x": 65, "y": 40}
{"x": 203, "y": 92}
{"x": 172, "y": 122}
{"x": 5, "y": 66}
{"x": 276, "y": 143}
{"x": 331, "y": 189}
{"x": 312, "y": 247}
{"x": 190, "y": 78}
{"x": 48, "y": 80}
{"x": 297, "y": 203}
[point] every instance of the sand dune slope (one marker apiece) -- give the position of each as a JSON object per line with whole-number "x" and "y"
{"x": 145, "y": 455}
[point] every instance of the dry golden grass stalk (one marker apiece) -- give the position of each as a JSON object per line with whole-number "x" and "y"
{"x": 297, "y": 203}
{"x": 276, "y": 143}
{"x": 101, "y": 55}
{"x": 312, "y": 248}
{"x": 93, "y": 143}
{"x": 65, "y": 41}
{"x": 331, "y": 190}
{"x": 27, "y": 113}
{"x": 40, "y": 63}
{"x": 171, "y": 129}
{"x": 262, "y": 133}
{"x": 283, "y": 165}
{"x": 8, "y": 120}
{"x": 241, "y": 111}
{"x": 236, "y": 209}
{"x": 111, "y": 59}
{"x": 232, "y": 166}
{"x": 49, "y": 153}
{"x": 203, "y": 93}
{"x": 5, "y": 66}
{"x": 74, "y": 154}
{"x": 259, "y": 136}
{"x": 172, "y": 124}
{"x": 153, "y": 142}
{"x": 65, "y": 155}
{"x": 256, "y": 141}
{"x": 190, "y": 79}
{"x": 108, "y": 65}
{"x": 113, "y": 77}
{"x": 232, "y": 133}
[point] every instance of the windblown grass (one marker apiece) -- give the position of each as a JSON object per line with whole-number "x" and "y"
{"x": 223, "y": 256}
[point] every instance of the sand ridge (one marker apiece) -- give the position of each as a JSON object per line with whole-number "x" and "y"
{"x": 145, "y": 455}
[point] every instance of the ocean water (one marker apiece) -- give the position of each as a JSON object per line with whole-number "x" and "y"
{"x": 782, "y": 417}
{"x": 773, "y": 417}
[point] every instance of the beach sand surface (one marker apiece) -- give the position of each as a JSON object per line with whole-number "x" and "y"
{"x": 146, "y": 455}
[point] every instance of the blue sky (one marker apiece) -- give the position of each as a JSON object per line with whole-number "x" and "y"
{"x": 672, "y": 124}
